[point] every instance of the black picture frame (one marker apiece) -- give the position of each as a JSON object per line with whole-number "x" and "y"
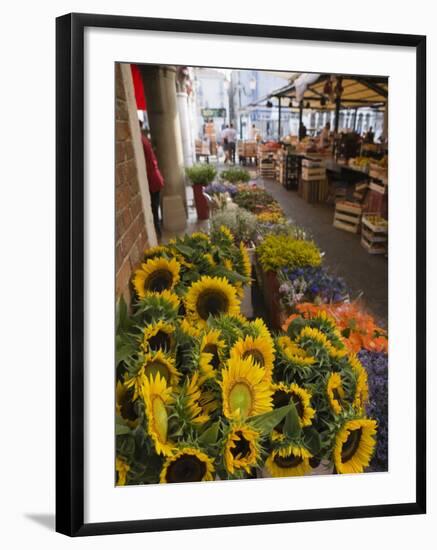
{"x": 70, "y": 272}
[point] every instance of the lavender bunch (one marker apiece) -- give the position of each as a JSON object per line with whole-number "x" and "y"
{"x": 312, "y": 284}
{"x": 219, "y": 188}
{"x": 376, "y": 365}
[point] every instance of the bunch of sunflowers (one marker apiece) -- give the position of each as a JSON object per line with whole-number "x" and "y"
{"x": 204, "y": 393}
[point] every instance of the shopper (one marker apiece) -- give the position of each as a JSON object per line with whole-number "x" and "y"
{"x": 225, "y": 143}
{"x": 370, "y": 136}
{"x": 253, "y": 133}
{"x": 155, "y": 179}
{"x": 302, "y": 131}
{"x": 324, "y": 136}
{"x": 231, "y": 137}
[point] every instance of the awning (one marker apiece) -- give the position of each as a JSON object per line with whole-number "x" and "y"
{"x": 318, "y": 91}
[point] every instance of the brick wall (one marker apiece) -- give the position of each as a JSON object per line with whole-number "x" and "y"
{"x": 130, "y": 228}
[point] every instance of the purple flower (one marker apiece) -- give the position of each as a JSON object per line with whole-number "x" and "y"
{"x": 376, "y": 365}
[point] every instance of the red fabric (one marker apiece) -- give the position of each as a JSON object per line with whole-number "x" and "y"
{"x": 156, "y": 181}
{"x": 139, "y": 88}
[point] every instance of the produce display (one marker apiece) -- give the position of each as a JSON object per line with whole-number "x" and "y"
{"x": 205, "y": 393}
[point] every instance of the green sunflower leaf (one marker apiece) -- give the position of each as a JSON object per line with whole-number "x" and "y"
{"x": 122, "y": 429}
{"x": 267, "y": 421}
{"x": 121, "y": 315}
{"x": 312, "y": 440}
{"x": 292, "y": 427}
{"x": 123, "y": 349}
{"x": 184, "y": 249}
{"x": 210, "y": 435}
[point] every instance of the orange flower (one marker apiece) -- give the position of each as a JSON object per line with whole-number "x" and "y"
{"x": 288, "y": 321}
{"x": 359, "y": 328}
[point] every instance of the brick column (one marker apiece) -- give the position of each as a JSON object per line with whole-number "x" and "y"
{"x": 134, "y": 229}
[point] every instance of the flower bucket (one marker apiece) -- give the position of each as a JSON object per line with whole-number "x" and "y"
{"x": 270, "y": 289}
{"x": 201, "y": 202}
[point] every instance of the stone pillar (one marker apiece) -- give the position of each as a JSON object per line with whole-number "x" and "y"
{"x": 160, "y": 89}
{"x": 184, "y": 117}
{"x": 385, "y": 122}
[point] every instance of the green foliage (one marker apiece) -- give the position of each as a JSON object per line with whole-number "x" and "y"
{"x": 241, "y": 223}
{"x": 267, "y": 421}
{"x": 278, "y": 251}
{"x": 254, "y": 199}
{"x": 235, "y": 175}
{"x": 292, "y": 425}
{"x": 203, "y": 174}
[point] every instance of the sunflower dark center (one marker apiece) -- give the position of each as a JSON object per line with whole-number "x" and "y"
{"x": 161, "y": 340}
{"x": 351, "y": 444}
{"x": 156, "y": 366}
{"x": 289, "y": 461}
{"x": 159, "y": 280}
{"x": 211, "y": 302}
{"x": 185, "y": 469}
{"x": 127, "y": 406}
{"x": 242, "y": 446}
{"x": 256, "y": 355}
{"x": 213, "y": 350}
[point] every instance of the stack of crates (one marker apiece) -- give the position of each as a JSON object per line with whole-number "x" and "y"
{"x": 314, "y": 186}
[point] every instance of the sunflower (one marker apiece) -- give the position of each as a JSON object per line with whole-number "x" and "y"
{"x": 208, "y": 401}
{"x": 211, "y": 296}
{"x": 166, "y": 298}
{"x": 335, "y": 391}
{"x": 189, "y": 329}
{"x": 193, "y": 396}
{"x": 158, "y": 361}
{"x": 211, "y": 350}
{"x": 121, "y": 470}
{"x": 354, "y": 446}
{"x": 282, "y": 394}
{"x": 197, "y": 235}
{"x": 125, "y": 404}
{"x": 245, "y": 259}
{"x": 227, "y": 264}
{"x": 260, "y": 349}
{"x": 292, "y": 460}
{"x": 298, "y": 356}
{"x": 242, "y": 448}
{"x": 226, "y": 232}
{"x": 259, "y": 328}
{"x": 317, "y": 337}
{"x": 186, "y": 465}
{"x": 244, "y": 389}
{"x": 157, "y": 398}
{"x": 156, "y": 275}
{"x": 285, "y": 342}
{"x": 154, "y": 251}
{"x": 361, "y": 391}
{"x": 210, "y": 259}
{"x": 158, "y": 336}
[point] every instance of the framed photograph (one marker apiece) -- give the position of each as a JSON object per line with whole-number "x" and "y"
{"x": 240, "y": 274}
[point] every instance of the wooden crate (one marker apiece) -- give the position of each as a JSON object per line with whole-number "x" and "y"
{"x": 313, "y": 174}
{"x": 347, "y": 216}
{"x": 374, "y": 233}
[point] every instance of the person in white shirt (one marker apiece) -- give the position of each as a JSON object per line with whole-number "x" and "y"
{"x": 253, "y": 133}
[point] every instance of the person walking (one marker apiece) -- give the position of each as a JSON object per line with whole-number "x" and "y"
{"x": 155, "y": 179}
{"x": 231, "y": 134}
{"x": 225, "y": 143}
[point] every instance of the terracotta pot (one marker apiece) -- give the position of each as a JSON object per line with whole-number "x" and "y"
{"x": 200, "y": 201}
